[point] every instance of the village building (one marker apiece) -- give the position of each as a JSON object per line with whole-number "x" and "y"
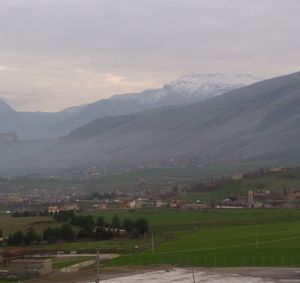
{"x": 102, "y": 206}
{"x": 276, "y": 169}
{"x": 53, "y": 209}
{"x": 294, "y": 195}
{"x": 237, "y": 176}
{"x": 158, "y": 203}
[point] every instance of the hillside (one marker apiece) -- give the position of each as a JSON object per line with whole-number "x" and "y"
{"x": 256, "y": 124}
{"x": 189, "y": 88}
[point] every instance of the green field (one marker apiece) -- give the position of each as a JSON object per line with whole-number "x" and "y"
{"x": 113, "y": 246}
{"x": 59, "y": 263}
{"x": 272, "y": 181}
{"x": 9, "y": 224}
{"x": 222, "y": 238}
{"x": 218, "y": 237}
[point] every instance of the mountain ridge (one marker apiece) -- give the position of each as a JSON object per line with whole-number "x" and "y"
{"x": 251, "y": 124}
{"x": 39, "y": 125}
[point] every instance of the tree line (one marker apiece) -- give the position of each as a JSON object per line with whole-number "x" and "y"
{"x": 81, "y": 227}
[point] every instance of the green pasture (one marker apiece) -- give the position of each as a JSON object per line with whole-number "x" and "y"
{"x": 244, "y": 245}
{"x": 59, "y": 263}
{"x": 218, "y": 237}
{"x": 9, "y": 224}
{"x": 234, "y": 237}
{"x": 272, "y": 181}
{"x": 113, "y": 246}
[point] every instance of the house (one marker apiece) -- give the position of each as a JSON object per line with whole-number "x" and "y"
{"x": 132, "y": 204}
{"x": 295, "y": 195}
{"x": 276, "y": 169}
{"x": 237, "y": 176}
{"x": 102, "y": 206}
{"x": 176, "y": 203}
{"x": 158, "y": 203}
{"x": 53, "y": 209}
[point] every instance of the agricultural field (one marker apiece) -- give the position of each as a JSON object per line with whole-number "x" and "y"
{"x": 223, "y": 238}
{"x": 116, "y": 246}
{"x": 275, "y": 182}
{"x": 9, "y": 224}
{"x": 156, "y": 178}
{"x": 217, "y": 237}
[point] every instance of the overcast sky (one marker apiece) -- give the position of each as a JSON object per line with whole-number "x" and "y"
{"x": 58, "y": 53}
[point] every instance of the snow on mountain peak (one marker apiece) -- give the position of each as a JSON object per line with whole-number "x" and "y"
{"x": 193, "y": 86}
{"x": 218, "y": 78}
{"x": 209, "y": 85}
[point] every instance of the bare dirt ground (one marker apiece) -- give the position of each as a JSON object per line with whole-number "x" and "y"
{"x": 170, "y": 274}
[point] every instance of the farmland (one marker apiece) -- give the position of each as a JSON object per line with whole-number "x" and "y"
{"x": 161, "y": 177}
{"x": 9, "y": 224}
{"x": 223, "y": 238}
{"x": 216, "y": 237}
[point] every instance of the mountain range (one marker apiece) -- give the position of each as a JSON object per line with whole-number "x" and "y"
{"x": 187, "y": 89}
{"x": 258, "y": 123}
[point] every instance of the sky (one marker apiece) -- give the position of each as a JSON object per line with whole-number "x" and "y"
{"x": 60, "y": 53}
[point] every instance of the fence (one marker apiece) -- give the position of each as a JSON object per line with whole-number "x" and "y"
{"x": 211, "y": 261}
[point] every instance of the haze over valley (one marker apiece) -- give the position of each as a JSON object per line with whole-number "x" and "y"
{"x": 255, "y": 124}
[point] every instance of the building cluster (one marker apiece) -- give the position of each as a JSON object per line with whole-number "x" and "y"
{"x": 64, "y": 207}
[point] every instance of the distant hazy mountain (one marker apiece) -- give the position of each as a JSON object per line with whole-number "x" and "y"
{"x": 187, "y": 89}
{"x": 254, "y": 124}
{"x": 190, "y": 88}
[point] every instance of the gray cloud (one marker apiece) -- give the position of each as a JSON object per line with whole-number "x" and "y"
{"x": 56, "y": 53}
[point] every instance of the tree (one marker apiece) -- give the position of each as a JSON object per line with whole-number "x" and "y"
{"x": 16, "y": 238}
{"x": 80, "y": 234}
{"x": 141, "y": 225}
{"x": 128, "y": 225}
{"x": 51, "y": 234}
{"x": 66, "y": 232}
{"x": 115, "y": 222}
{"x": 100, "y": 222}
{"x": 100, "y": 233}
{"x": 31, "y": 236}
{"x": 64, "y": 216}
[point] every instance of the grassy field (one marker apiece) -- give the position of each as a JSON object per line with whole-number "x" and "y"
{"x": 59, "y": 263}
{"x": 223, "y": 238}
{"x": 273, "y": 181}
{"x": 219, "y": 237}
{"x": 9, "y": 224}
{"x": 116, "y": 246}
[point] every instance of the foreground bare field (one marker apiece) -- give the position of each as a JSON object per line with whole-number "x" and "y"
{"x": 159, "y": 275}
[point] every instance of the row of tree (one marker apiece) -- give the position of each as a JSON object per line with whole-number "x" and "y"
{"x": 88, "y": 225}
{"x": 81, "y": 227}
{"x": 19, "y": 238}
{"x": 30, "y": 213}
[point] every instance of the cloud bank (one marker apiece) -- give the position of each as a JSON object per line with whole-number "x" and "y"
{"x": 58, "y": 53}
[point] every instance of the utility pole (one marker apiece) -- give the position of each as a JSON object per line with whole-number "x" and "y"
{"x": 194, "y": 280}
{"x": 98, "y": 267}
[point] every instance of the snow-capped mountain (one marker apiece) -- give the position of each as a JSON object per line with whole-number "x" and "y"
{"x": 189, "y": 88}
{"x": 192, "y": 87}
